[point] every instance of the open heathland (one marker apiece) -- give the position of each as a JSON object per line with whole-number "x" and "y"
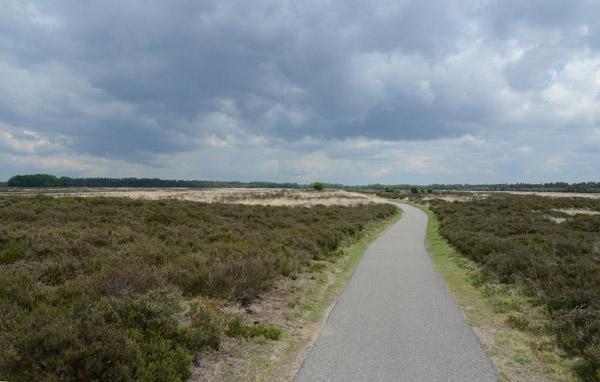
{"x": 117, "y": 289}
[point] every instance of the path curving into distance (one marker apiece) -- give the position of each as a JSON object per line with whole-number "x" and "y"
{"x": 396, "y": 319}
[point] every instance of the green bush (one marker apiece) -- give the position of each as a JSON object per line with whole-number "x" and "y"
{"x": 318, "y": 186}
{"x": 237, "y": 328}
{"x": 11, "y": 253}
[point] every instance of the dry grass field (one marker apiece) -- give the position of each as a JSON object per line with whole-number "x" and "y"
{"x": 248, "y": 196}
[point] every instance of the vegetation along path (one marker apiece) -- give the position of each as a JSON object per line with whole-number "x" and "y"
{"x": 396, "y": 320}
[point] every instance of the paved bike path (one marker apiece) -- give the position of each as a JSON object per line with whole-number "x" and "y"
{"x": 396, "y": 319}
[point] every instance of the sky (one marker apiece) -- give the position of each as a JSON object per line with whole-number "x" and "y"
{"x": 341, "y": 91}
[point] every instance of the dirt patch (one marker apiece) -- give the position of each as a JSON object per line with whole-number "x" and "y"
{"x": 458, "y": 198}
{"x": 555, "y": 194}
{"x": 570, "y": 212}
{"x": 575, "y": 211}
{"x": 236, "y": 358}
{"x": 556, "y": 220}
{"x": 272, "y": 306}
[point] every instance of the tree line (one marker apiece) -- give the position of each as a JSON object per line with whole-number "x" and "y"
{"x": 45, "y": 180}
{"x": 584, "y": 187}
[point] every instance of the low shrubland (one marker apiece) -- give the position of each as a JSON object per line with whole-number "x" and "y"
{"x": 548, "y": 247}
{"x": 114, "y": 289}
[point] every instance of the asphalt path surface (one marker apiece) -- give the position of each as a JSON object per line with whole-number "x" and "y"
{"x": 396, "y": 319}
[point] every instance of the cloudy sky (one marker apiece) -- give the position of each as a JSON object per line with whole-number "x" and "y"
{"x": 356, "y": 92}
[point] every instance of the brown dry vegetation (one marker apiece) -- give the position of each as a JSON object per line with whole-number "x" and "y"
{"x": 124, "y": 289}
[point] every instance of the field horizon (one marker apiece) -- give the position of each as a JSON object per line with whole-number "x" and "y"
{"x": 52, "y": 181}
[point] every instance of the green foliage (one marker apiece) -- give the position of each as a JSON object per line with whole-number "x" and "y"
{"x": 94, "y": 288}
{"x": 517, "y": 240}
{"x": 45, "y": 180}
{"x": 414, "y": 189}
{"x": 132, "y": 337}
{"x": 237, "y": 328}
{"x": 37, "y": 180}
{"x": 11, "y": 253}
{"x": 318, "y": 186}
{"x": 517, "y": 322}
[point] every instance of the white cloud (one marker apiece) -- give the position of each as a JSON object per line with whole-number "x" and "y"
{"x": 377, "y": 173}
{"x": 271, "y": 165}
{"x": 29, "y": 11}
{"x": 218, "y": 143}
{"x": 20, "y": 140}
{"x": 425, "y": 93}
{"x": 555, "y": 163}
{"x": 524, "y": 149}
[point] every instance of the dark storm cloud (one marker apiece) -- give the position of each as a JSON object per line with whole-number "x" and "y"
{"x": 509, "y": 15}
{"x": 121, "y": 78}
{"x": 174, "y": 58}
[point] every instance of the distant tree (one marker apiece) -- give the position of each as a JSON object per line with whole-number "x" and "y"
{"x": 429, "y": 190}
{"x": 388, "y": 189}
{"x": 318, "y": 186}
{"x": 37, "y": 180}
{"x": 414, "y": 189}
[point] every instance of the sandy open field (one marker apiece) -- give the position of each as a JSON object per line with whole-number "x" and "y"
{"x": 257, "y": 196}
{"x": 461, "y": 196}
{"x": 263, "y": 196}
{"x": 556, "y": 194}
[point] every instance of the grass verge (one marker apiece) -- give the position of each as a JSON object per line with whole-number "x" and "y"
{"x": 313, "y": 296}
{"x": 511, "y": 327}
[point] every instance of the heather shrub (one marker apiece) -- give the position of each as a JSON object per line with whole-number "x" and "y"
{"x": 517, "y": 241}
{"x": 96, "y": 288}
